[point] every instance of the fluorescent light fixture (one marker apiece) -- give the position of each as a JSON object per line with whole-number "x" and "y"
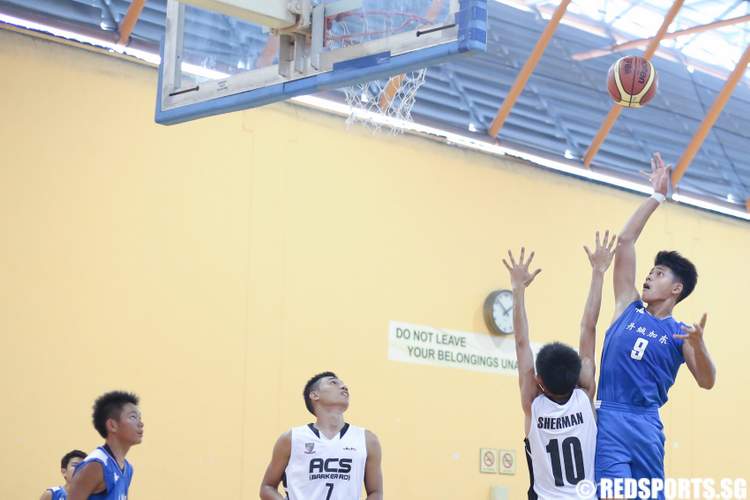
{"x": 469, "y": 142}
{"x": 77, "y": 37}
{"x": 435, "y": 133}
{"x": 689, "y": 200}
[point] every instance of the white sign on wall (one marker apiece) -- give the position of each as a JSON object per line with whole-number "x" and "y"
{"x": 507, "y": 461}
{"x": 426, "y": 345}
{"x": 488, "y": 461}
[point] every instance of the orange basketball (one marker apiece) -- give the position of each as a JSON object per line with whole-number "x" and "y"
{"x": 632, "y": 81}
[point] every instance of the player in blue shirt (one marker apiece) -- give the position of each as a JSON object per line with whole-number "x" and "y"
{"x": 105, "y": 474}
{"x": 67, "y": 466}
{"x": 643, "y": 350}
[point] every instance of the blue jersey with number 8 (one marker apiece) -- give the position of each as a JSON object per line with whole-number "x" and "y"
{"x": 640, "y": 358}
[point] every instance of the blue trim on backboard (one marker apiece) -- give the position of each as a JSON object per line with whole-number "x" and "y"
{"x": 364, "y": 62}
{"x": 472, "y": 24}
{"x": 472, "y": 38}
{"x": 159, "y": 81}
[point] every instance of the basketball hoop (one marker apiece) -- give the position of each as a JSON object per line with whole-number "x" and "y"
{"x": 394, "y": 97}
{"x": 280, "y": 49}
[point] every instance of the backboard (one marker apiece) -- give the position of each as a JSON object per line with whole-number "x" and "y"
{"x": 272, "y": 50}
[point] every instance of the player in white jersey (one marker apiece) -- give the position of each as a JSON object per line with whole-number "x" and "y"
{"x": 557, "y": 398}
{"x": 326, "y": 460}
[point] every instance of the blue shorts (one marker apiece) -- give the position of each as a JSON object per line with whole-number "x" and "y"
{"x": 629, "y": 443}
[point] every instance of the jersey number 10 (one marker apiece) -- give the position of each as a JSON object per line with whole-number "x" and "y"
{"x": 572, "y": 458}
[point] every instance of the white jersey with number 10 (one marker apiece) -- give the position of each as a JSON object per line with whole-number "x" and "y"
{"x": 561, "y": 446}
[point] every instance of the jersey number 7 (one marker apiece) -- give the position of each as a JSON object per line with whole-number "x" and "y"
{"x": 330, "y": 490}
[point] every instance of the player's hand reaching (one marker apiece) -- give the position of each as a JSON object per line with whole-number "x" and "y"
{"x": 520, "y": 276}
{"x": 693, "y": 334}
{"x": 602, "y": 255}
{"x": 659, "y": 174}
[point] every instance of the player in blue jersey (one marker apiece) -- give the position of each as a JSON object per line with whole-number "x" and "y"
{"x": 105, "y": 474}
{"x": 67, "y": 466}
{"x": 643, "y": 350}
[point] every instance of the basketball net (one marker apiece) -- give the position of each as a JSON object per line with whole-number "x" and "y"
{"x": 391, "y": 98}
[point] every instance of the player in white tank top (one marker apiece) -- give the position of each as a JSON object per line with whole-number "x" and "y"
{"x": 327, "y": 460}
{"x": 326, "y": 468}
{"x": 561, "y": 445}
{"x": 557, "y": 394}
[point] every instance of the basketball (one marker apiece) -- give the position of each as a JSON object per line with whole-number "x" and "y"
{"x": 632, "y": 81}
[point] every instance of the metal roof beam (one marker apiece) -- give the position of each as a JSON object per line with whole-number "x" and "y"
{"x": 615, "y": 111}
{"x": 711, "y": 116}
{"x": 590, "y": 54}
{"x": 596, "y": 28}
{"x": 108, "y": 21}
{"x": 128, "y": 22}
{"x": 527, "y": 69}
{"x": 718, "y": 18}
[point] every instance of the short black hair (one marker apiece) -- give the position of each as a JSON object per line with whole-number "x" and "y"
{"x": 70, "y": 456}
{"x": 683, "y": 269}
{"x": 312, "y": 385}
{"x": 559, "y": 367}
{"x": 110, "y": 405}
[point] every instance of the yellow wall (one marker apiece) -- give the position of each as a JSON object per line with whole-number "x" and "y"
{"x": 212, "y": 267}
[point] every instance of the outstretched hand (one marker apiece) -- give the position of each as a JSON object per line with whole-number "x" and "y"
{"x": 601, "y": 257}
{"x": 659, "y": 174}
{"x": 693, "y": 334}
{"x": 520, "y": 276}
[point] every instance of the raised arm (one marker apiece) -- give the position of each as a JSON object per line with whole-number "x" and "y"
{"x": 624, "y": 271}
{"x": 600, "y": 260}
{"x": 282, "y": 450}
{"x": 520, "y": 278}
